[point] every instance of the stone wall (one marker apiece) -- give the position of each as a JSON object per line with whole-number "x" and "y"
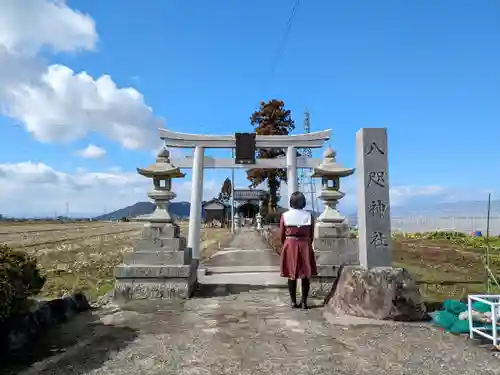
{"x": 20, "y": 331}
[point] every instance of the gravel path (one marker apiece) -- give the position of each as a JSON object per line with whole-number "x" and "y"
{"x": 248, "y": 333}
{"x": 248, "y": 239}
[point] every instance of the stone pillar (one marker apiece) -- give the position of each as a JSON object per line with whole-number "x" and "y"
{"x": 196, "y": 201}
{"x": 375, "y": 289}
{"x": 374, "y": 219}
{"x": 291, "y": 164}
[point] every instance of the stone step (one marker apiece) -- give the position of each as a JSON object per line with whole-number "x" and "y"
{"x": 141, "y": 271}
{"x": 240, "y": 269}
{"x": 155, "y": 258}
{"x": 161, "y": 243}
{"x": 267, "y": 279}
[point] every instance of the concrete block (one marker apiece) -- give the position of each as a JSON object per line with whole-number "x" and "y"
{"x": 128, "y": 289}
{"x": 327, "y": 231}
{"x": 124, "y": 271}
{"x": 161, "y": 243}
{"x": 155, "y": 258}
{"x": 152, "y": 230}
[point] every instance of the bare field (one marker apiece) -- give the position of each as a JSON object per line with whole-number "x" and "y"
{"x": 82, "y": 255}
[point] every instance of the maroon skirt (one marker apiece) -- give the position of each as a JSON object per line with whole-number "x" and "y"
{"x": 297, "y": 258}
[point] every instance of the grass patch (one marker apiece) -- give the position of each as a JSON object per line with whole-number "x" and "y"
{"x": 89, "y": 268}
{"x": 89, "y": 265}
{"x": 446, "y": 268}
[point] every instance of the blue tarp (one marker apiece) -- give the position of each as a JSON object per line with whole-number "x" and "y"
{"x": 447, "y": 318}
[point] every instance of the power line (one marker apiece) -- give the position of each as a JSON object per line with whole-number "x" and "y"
{"x": 281, "y": 45}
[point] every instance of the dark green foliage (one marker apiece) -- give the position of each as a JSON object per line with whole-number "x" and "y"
{"x": 444, "y": 235}
{"x": 225, "y": 191}
{"x": 19, "y": 279}
{"x": 272, "y": 118}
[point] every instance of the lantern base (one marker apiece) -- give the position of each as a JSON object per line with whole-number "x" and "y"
{"x": 155, "y": 282}
{"x": 331, "y": 230}
{"x": 160, "y": 266}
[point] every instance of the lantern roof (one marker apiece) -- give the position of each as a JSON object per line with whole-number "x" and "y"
{"x": 162, "y": 167}
{"x": 329, "y": 166}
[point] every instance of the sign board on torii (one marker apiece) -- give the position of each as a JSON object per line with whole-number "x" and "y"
{"x": 198, "y": 162}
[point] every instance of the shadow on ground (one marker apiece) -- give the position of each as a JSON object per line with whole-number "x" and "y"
{"x": 71, "y": 346}
{"x": 210, "y": 290}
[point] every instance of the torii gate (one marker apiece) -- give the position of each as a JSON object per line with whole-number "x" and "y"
{"x": 199, "y": 161}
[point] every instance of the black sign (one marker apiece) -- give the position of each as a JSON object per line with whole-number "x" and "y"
{"x": 248, "y": 194}
{"x": 245, "y": 148}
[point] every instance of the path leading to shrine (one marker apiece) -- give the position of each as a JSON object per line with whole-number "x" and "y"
{"x": 246, "y": 334}
{"x": 247, "y": 261}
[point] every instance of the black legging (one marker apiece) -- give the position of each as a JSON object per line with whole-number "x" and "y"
{"x": 292, "y": 289}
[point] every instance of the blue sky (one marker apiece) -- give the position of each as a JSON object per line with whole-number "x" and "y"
{"x": 428, "y": 71}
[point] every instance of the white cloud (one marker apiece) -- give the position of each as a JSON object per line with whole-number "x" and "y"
{"x": 54, "y": 103}
{"x": 23, "y": 184}
{"x": 92, "y": 152}
{"x": 28, "y": 25}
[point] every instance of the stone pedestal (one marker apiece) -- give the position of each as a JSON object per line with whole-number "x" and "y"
{"x": 331, "y": 253}
{"x": 383, "y": 293}
{"x": 159, "y": 267}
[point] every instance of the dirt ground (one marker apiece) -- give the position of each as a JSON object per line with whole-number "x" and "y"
{"x": 83, "y": 255}
{"x": 253, "y": 332}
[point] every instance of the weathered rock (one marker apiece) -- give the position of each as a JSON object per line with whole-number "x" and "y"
{"x": 379, "y": 293}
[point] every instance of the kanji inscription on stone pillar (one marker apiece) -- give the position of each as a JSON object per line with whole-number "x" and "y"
{"x": 374, "y": 219}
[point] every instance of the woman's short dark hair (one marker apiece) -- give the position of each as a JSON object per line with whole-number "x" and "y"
{"x": 297, "y": 200}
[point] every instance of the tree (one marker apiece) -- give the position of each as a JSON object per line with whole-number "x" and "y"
{"x": 225, "y": 190}
{"x": 270, "y": 119}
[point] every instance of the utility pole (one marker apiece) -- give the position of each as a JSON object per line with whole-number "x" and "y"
{"x": 306, "y": 182}
{"x": 232, "y": 193}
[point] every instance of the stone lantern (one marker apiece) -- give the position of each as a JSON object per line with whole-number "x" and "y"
{"x": 332, "y": 244}
{"x": 162, "y": 172}
{"x": 160, "y": 265}
{"x": 331, "y": 223}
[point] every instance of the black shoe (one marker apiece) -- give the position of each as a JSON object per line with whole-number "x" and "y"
{"x": 292, "y": 289}
{"x": 305, "y": 292}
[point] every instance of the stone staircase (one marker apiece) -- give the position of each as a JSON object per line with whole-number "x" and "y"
{"x": 247, "y": 263}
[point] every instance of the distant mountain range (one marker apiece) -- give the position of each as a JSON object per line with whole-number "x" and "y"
{"x": 464, "y": 208}
{"x": 180, "y": 210}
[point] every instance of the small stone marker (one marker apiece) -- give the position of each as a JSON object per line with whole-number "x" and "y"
{"x": 374, "y": 219}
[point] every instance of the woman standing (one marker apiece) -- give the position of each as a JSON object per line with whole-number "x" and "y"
{"x": 297, "y": 255}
